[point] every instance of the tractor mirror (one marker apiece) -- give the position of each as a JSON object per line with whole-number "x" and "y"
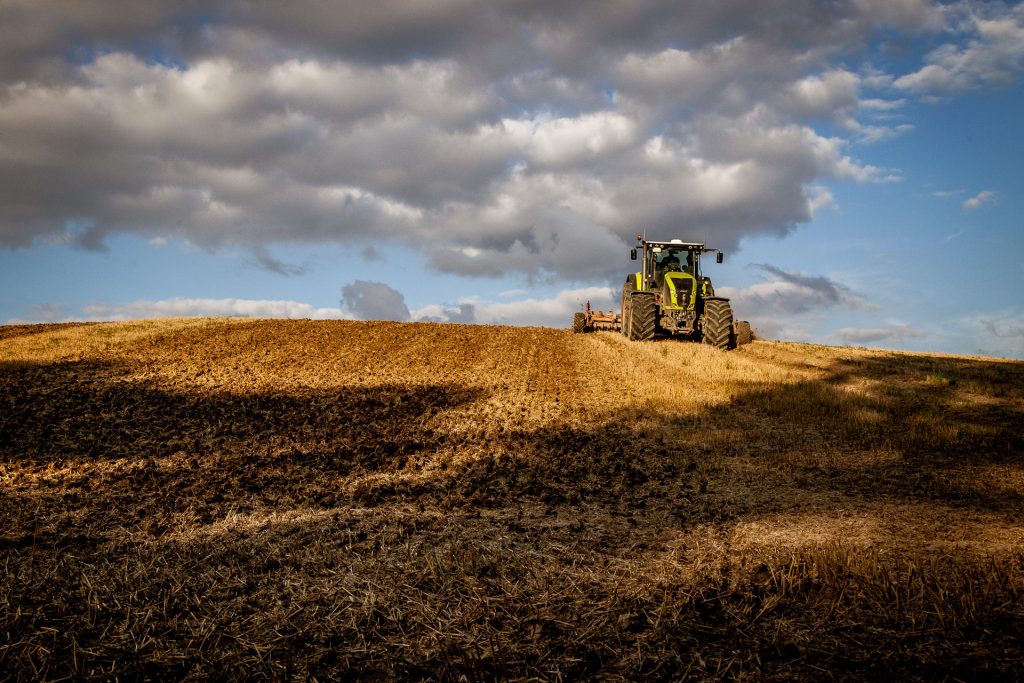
{"x": 718, "y": 257}
{"x": 632, "y": 254}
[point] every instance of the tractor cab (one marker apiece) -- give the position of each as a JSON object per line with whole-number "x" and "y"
{"x": 671, "y": 270}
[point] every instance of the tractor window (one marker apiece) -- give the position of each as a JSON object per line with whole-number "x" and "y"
{"x": 673, "y": 261}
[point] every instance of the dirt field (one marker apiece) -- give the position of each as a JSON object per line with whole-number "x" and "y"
{"x": 237, "y": 498}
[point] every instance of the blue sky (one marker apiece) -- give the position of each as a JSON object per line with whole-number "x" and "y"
{"x": 472, "y": 162}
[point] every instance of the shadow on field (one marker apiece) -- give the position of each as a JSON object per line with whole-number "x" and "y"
{"x": 13, "y": 331}
{"x": 131, "y": 450}
{"x": 918, "y": 430}
{"x": 384, "y": 532}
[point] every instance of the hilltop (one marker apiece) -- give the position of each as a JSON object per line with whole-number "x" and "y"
{"x": 228, "y": 498}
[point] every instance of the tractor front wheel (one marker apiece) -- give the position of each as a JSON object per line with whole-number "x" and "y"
{"x": 717, "y": 324}
{"x": 643, "y": 316}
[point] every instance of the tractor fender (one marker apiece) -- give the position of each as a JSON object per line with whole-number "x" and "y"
{"x": 716, "y": 298}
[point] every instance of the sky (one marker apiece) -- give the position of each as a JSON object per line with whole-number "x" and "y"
{"x": 492, "y": 162}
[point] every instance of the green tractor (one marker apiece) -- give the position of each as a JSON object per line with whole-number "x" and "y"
{"x": 671, "y": 296}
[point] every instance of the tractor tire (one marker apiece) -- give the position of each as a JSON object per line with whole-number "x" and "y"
{"x": 643, "y": 316}
{"x": 579, "y": 323}
{"x": 717, "y": 323}
{"x": 627, "y": 309}
{"x": 626, "y": 306}
{"x": 743, "y": 333}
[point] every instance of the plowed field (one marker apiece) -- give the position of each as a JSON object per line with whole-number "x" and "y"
{"x": 238, "y": 499}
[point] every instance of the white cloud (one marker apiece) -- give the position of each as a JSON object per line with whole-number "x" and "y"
{"x": 983, "y": 198}
{"x": 554, "y": 311}
{"x": 185, "y": 307}
{"x": 360, "y": 301}
{"x": 994, "y": 55}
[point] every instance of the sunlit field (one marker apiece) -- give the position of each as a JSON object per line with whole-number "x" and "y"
{"x": 235, "y": 498}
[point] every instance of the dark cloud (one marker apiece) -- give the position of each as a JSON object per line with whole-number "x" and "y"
{"x": 374, "y": 301}
{"x": 371, "y": 253}
{"x": 825, "y": 291}
{"x": 525, "y": 136}
{"x": 869, "y": 335}
{"x": 1003, "y": 328}
{"x": 263, "y": 259}
{"x": 788, "y": 293}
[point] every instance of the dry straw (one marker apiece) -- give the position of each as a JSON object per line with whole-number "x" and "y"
{"x": 233, "y": 499}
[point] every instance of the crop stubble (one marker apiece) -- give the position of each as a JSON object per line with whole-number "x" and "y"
{"x": 293, "y": 498}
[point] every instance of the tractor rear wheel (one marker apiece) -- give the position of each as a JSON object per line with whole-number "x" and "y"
{"x": 579, "y": 322}
{"x": 717, "y": 323}
{"x": 643, "y": 316}
{"x": 742, "y": 332}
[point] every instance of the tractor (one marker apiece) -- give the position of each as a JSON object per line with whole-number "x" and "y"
{"x": 669, "y": 295}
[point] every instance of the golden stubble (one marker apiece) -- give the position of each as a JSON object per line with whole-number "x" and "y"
{"x": 424, "y": 488}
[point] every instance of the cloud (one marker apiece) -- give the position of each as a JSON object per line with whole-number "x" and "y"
{"x": 495, "y": 138}
{"x": 1001, "y": 332}
{"x": 371, "y": 253}
{"x": 869, "y": 335}
{"x": 440, "y": 313}
{"x": 263, "y": 259}
{"x": 374, "y": 301}
{"x": 791, "y": 293}
{"x": 46, "y": 313}
{"x": 519, "y": 138}
{"x": 361, "y": 301}
{"x": 983, "y": 198}
{"x": 1003, "y": 327}
{"x": 992, "y": 56}
{"x": 185, "y": 307}
{"x": 553, "y": 311}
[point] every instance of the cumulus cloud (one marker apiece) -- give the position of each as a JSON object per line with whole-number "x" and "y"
{"x": 496, "y": 138}
{"x": 374, "y": 301}
{"x": 979, "y": 200}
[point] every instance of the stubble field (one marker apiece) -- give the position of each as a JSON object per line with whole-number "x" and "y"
{"x": 237, "y": 498}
